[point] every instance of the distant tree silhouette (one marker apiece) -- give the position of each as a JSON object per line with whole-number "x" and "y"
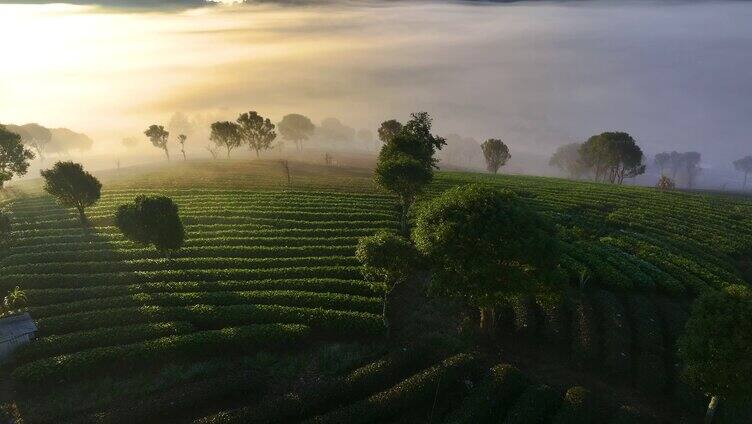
{"x": 159, "y": 137}
{"x": 389, "y": 129}
{"x": 129, "y": 142}
{"x": 744, "y": 165}
{"x": 256, "y": 131}
{"x": 35, "y": 136}
{"x": 14, "y": 157}
{"x": 612, "y": 156}
{"x": 226, "y": 134}
{"x": 662, "y": 160}
{"x": 365, "y": 137}
{"x": 181, "y": 140}
{"x": 213, "y": 150}
{"x": 296, "y": 128}
{"x": 72, "y": 186}
{"x": 691, "y": 161}
{"x": 496, "y": 154}
{"x": 567, "y": 158}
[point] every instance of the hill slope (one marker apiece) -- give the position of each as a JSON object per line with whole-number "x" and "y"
{"x": 268, "y": 267}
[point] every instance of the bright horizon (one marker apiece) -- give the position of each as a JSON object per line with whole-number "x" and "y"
{"x": 535, "y": 75}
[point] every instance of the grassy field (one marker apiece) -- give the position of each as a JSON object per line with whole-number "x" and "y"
{"x": 263, "y": 315}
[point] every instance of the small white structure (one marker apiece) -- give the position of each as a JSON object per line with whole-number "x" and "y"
{"x": 15, "y": 331}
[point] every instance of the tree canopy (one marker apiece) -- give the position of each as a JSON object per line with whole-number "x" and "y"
{"x": 256, "y": 131}
{"x": 227, "y": 135}
{"x": 14, "y": 157}
{"x": 296, "y": 128}
{"x": 158, "y": 137}
{"x": 152, "y": 220}
{"x": 567, "y": 159}
{"x": 72, "y": 186}
{"x": 389, "y": 129}
{"x": 496, "y": 154}
{"x": 612, "y": 156}
{"x": 405, "y": 164}
{"x": 744, "y": 165}
{"x": 716, "y": 346}
{"x": 482, "y": 243}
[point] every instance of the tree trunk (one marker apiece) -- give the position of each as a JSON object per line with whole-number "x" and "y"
{"x": 184, "y": 159}
{"x": 257, "y": 153}
{"x": 228, "y": 152}
{"x": 711, "y": 409}
{"x": 81, "y": 214}
{"x": 167, "y": 153}
{"x": 483, "y": 320}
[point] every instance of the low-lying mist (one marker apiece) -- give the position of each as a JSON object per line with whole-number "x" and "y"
{"x": 536, "y": 75}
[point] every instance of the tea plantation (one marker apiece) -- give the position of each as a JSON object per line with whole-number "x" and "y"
{"x": 263, "y": 316}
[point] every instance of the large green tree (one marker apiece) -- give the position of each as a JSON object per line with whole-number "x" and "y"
{"x": 72, "y": 186}
{"x": 227, "y": 135}
{"x": 405, "y": 164}
{"x": 152, "y": 220}
{"x": 14, "y": 157}
{"x": 716, "y": 347}
{"x": 496, "y": 154}
{"x": 159, "y": 138}
{"x": 388, "y": 260}
{"x": 256, "y": 131}
{"x": 296, "y": 128}
{"x": 483, "y": 243}
{"x": 612, "y": 156}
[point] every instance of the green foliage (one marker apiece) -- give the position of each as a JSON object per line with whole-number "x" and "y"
{"x": 72, "y": 186}
{"x": 483, "y": 242}
{"x": 567, "y": 159}
{"x": 152, "y": 220}
{"x": 535, "y": 405}
{"x": 6, "y": 228}
{"x": 717, "y": 345}
{"x": 493, "y": 398}
{"x": 113, "y": 359}
{"x": 612, "y": 156}
{"x": 14, "y": 157}
{"x": 496, "y": 154}
{"x": 159, "y": 138}
{"x": 256, "y": 131}
{"x": 402, "y": 175}
{"x": 227, "y": 135}
{"x": 387, "y": 258}
{"x": 388, "y": 130}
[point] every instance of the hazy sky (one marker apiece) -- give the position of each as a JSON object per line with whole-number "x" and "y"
{"x": 676, "y": 75}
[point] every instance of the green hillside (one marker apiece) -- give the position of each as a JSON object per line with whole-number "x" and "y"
{"x": 264, "y": 316}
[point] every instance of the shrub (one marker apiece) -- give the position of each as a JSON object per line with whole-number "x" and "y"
{"x": 579, "y": 407}
{"x": 111, "y": 359}
{"x": 152, "y": 220}
{"x": 492, "y": 399}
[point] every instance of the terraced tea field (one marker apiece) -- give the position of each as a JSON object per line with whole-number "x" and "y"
{"x": 264, "y": 316}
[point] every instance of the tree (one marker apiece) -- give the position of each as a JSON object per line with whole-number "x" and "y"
{"x": 296, "y": 128}
{"x": 665, "y": 183}
{"x": 72, "y": 186}
{"x": 483, "y": 243}
{"x": 404, "y": 176}
{"x": 387, "y": 260}
{"x": 691, "y": 161}
{"x": 256, "y": 131}
{"x": 389, "y": 129}
{"x": 612, "y": 156}
{"x": 36, "y": 136}
{"x": 405, "y": 164}
{"x": 152, "y": 220}
{"x": 716, "y": 346}
{"x": 744, "y": 165}
{"x": 226, "y": 134}
{"x": 14, "y": 157}
{"x": 333, "y": 131}
{"x": 181, "y": 140}
{"x": 213, "y": 151}
{"x": 496, "y": 154}
{"x": 662, "y": 161}
{"x": 158, "y": 137}
{"x": 567, "y": 159}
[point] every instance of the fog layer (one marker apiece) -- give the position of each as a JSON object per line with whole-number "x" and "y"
{"x": 537, "y": 75}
